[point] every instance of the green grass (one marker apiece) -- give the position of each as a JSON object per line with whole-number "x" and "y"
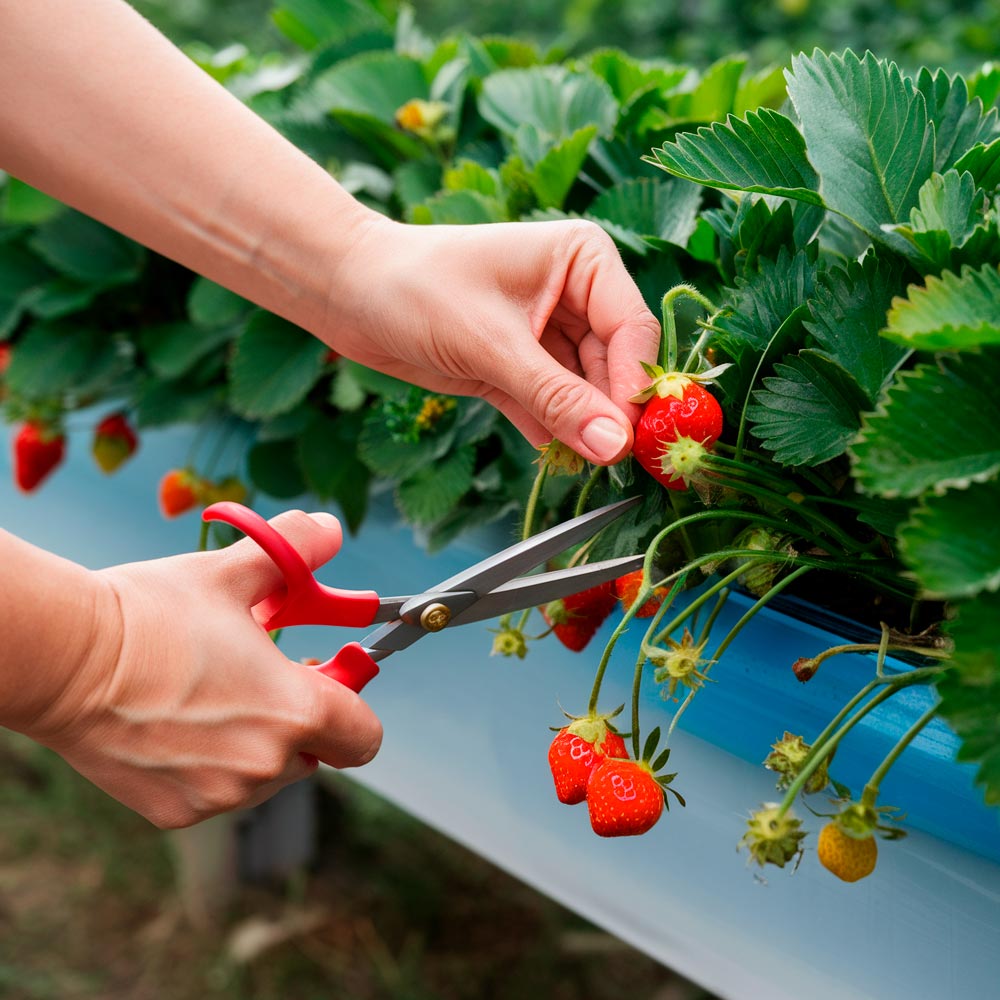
{"x": 394, "y": 911}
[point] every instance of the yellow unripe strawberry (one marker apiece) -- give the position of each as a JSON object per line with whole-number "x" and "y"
{"x": 849, "y": 858}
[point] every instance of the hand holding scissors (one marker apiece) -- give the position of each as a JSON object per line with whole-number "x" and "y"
{"x": 490, "y": 588}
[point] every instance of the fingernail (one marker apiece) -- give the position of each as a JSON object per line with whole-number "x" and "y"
{"x": 604, "y": 437}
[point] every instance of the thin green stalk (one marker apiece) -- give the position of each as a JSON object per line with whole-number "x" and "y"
{"x": 871, "y": 788}
{"x": 716, "y": 611}
{"x": 822, "y": 748}
{"x": 668, "y": 350}
{"x": 588, "y": 488}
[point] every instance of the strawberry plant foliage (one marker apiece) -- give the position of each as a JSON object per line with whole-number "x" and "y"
{"x": 836, "y": 221}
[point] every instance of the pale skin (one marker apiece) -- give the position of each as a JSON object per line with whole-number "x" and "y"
{"x": 540, "y": 319}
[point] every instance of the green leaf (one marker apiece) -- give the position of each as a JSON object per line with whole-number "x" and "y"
{"x": 550, "y": 99}
{"x": 84, "y": 249}
{"x": 970, "y": 690}
{"x": 60, "y": 297}
{"x": 867, "y": 130}
{"x": 953, "y": 312}
{"x": 458, "y": 208}
{"x": 274, "y": 366}
{"x": 934, "y": 429}
{"x": 183, "y": 401}
{"x": 660, "y": 212}
{"x": 983, "y": 162}
{"x": 712, "y": 97}
{"x": 55, "y": 358}
{"x": 273, "y": 467}
{"x": 847, "y": 312}
{"x": 346, "y": 392}
{"x": 210, "y": 305}
{"x": 763, "y": 318}
{"x": 416, "y": 181}
{"x": 628, "y": 77}
{"x": 950, "y": 209}
{"x": 23, "y": 204}
{"x": 434, "y": 490}
{"x": 556, "y": 172}
{"x": 475, "y": 422}
{"x": 765, "y": 89}
{"x": 763, "y": 152}
{"x": 809, "y": 411}
{"x": 391, "y": 458}
{"x": 22, "y": 275}
{"x": 948, "y": 559}
{"x": 312, "y": 23}
{"x": 173, "y": 349}
{"x": 959, "y": 124}
{"x": 468, "y": 175}
{"x": 331, "y": 465}
{"x": 376, "y": 382}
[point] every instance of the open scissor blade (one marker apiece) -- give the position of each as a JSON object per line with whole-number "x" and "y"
{"x": 494, "y": 571}
{"x": 532, "y": 591}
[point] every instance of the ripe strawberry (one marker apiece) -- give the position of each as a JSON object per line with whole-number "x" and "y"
{"x": 623, "y": 797}
{"x": 6, "y": 353}
{"x": 114, "y": 442}
{"x": 38, "y": 449}
{"x": 574, "y": 753}
{"x": 849, "y": 858}
{"x": 575, "y": 619}
{"x": 180, "y": 491}
{"x": 680, "y": 421}
{"x": 627, "y": 588}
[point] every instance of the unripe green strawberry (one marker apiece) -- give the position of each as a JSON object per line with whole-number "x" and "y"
{"x": 114, "y": 442}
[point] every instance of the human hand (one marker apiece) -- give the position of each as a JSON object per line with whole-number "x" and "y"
{"x": 541, "y": 319}
{"x": 184, "y": 707}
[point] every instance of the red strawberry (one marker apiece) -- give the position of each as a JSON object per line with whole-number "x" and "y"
{"x": 6, "y": 353}
{"x": 38, "y": 449}
{"x": 627, "y": 588}
{"x": 680, "y": 421}
{"x": 576, "y": 618}
{"x": 179, "y": 492}
{"x": 114, "y": 442}
{"x": 576, "y": 751}
{"x": 623, "y": 797}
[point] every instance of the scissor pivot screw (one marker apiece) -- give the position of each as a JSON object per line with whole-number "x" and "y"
{"x": 435, "y": 617}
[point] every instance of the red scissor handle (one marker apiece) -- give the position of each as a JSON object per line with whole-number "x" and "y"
{"x": 352, "y": 667}
{"x": 303, "y": 600}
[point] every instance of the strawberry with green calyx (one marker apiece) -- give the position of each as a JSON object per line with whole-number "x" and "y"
{"x": 629, "y": 587}
{"x": 773, "y": 836}
{"x": 787, "y": 758}
{"x": 577, "y": 749}
{"x": 180, "y": 491}
{"x": 626, "y": 797}
{"x": 680, "y": 422}
{"x": 576, "y": 619}
{"x": 509, "y": 641}
{"x": 678, "y": 663}
{"x": 39, "y": 448}
{"x": 760, "y": 576}
{"x": 231, "y": 488}
{"x": 114, "y": 442}
{"x": 849, "y": 858}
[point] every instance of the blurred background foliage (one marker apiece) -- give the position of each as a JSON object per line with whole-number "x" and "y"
{"x": 956, "y": 34}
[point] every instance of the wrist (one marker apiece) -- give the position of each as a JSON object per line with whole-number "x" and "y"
{"x": 61, "y": 644}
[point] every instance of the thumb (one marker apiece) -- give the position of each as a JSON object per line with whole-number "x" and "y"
{"x": 566, "y": 405}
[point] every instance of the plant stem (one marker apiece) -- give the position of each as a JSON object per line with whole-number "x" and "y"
{"x": 829, "y": 739}
{"x": 668, "y": 350}
{"x": 588, "y": 488}
{"x": 871, "y": 788}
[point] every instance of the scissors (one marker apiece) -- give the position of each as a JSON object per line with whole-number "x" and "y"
{"x": 492, "y": 587}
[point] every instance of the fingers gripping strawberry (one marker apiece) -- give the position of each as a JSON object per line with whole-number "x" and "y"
{"x": 680, "y": 422}
{"x": 576, "y": 750}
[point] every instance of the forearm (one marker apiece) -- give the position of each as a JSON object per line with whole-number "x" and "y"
{"x": 55, "y": 625}
{"x": 102, "y": 112}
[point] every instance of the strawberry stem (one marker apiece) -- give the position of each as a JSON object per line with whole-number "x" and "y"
{"x": 587, "y": 489}
{"x": 668, "y": 349}
{"x": 872, "y": 787}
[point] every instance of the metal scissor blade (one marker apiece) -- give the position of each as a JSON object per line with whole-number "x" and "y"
{"x": 512, "y": 562}
{"x": 531, "y": 591}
